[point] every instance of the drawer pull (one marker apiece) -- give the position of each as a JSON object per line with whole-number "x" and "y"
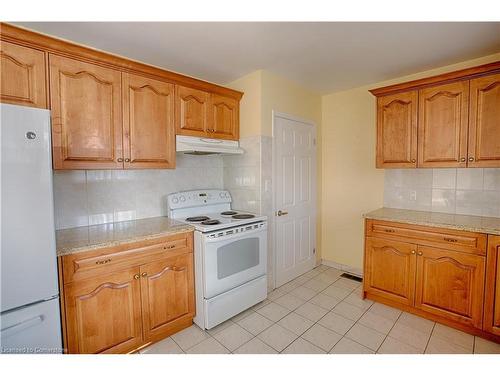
{"x": 144, "y": 274}
{"x": 103, "y": 261}
{"x": 389, "y": 230}
{"x": 169, "y": 247}
{"x": 136, "y": 276}
{"x": 420, "y": 253}
{"x": 413, "y": 251}
{"x": 450, "y": 239}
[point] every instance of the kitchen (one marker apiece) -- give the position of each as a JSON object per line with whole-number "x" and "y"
{"x": 174, "y": 215}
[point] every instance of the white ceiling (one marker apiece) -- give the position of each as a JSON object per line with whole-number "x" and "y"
{"x": 324, "y": 57}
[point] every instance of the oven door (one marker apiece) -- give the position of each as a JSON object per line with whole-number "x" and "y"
{"x": 233, "y": 257}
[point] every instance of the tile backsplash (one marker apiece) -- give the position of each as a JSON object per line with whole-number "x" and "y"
{"x": 467, "y": 191}
{"x": 103, "y": 196}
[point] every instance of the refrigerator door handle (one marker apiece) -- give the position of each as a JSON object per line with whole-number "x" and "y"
{"x": 9, "y": 331}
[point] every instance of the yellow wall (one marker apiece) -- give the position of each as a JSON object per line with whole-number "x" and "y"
{"x": 351, "y": 185}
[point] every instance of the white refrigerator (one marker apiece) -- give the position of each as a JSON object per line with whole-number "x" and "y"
{"x": 29, "y": 299}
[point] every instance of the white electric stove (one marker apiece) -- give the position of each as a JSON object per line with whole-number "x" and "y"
{"x": 230, "y": 251}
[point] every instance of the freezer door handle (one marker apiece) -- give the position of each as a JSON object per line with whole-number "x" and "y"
{"x": 21, "y": 326}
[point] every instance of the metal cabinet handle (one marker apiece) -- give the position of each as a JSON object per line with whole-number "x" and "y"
{"x": 450, "y": 239}
{"x": 471, "y": 158}
{"x": 413, "y": 160}
{"x": 168, "y": 247}
{"x": 413, "y": 251}
{"x": 389, "y": 230}
{"x": 103, "y": 261}
{"x": 119, "y": 160}
{"x": 127, "y": 160}
{"x": 463, "y": 159}
{"x": 282, "y": 213}
{"x": 144, "y": 274}
{"x": 420, "y": 253}
{"x": 137, "y": 276}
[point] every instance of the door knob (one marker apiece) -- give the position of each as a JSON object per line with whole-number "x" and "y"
{"x": 127, "y": 160}
{"x": 282, "y": 213}
{"x": 463, "y": 159}
{"x": 119, "y": 160}
{"x": 471, "y": 158}
{"x": 413, "y": 251}
{"x": 136, "y": 276}
{"x": 144, "y": 274}
{"x": 420, "y": 253}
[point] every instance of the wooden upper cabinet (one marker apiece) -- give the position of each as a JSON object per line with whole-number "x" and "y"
{"x": 397, "y": 130}
{"x": 103, "y": 314}
{"x": 191, "y": 111}
{"x": 167, "y": 294}
{"x": 442, "y": 125}
{"x": 86, "y": 115}
{"x": 148, "y": 123}
{"x": 484, "y": 122}
{"x": 23, "y": 79}
{"x": 491, "y": 322}
{"x": 450, "y": 284}
{"x": 390, "y": 269}
{"x": 224, "y": 117}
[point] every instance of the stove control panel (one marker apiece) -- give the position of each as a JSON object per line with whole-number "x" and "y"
{"x": 197, "y": 198}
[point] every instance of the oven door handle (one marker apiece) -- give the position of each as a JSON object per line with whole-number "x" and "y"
{"x": 229, "y": 237}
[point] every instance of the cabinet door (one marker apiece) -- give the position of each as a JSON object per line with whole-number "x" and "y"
{"x": 86, "y": 115}
{"x": 224, "y": 118}
{"x": 442, "y": 125}
{"x": 390, "y": 269}
{"x": 484, "y": 122}
{"x": 103, "y": 315}
{"x": 450, "y": 284}
{"x": 191, "y": 111}
{"x": 23, "y": 79}
{"x": 491, "y": 321}
{"x": 397, "y": 130}
{"x": 167, "y": 294}
{"x": 148, "y": 118}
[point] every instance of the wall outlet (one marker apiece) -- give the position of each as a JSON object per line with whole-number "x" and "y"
{"x": 413, "y": 195}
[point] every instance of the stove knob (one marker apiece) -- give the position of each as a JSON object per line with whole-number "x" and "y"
{"x": 175, "y": 200}
{"x": 222, "y": 194}
{"x": 182, "y": 198}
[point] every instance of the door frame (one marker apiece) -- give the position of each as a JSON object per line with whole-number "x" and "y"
{"x": 272, "y": 220}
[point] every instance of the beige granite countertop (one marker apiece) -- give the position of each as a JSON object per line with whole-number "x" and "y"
{"x": 479, "y": 224}
{"x": 75, "y": 240}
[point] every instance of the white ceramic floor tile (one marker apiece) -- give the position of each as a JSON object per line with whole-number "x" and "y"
{"x": 242, "y": 315}
{"x": 325, "y": 301}
{"x": 277, "y": 337}
{"x": 366, "y": 336}
{"x": 355, "y": 299}
{"x": 438, "y": 345}
{"x": 335, "y": 292}
{"x": 165, "y": 346}
{"x": 233, "y": 337}
{"x": 348, "y": 311}
{"x": 326, "y": 278}
{"x": 260, "y": 305}
{"x": 288, "y": 287}
{"x": 290, "y": 301}
{"x": 409, "y": 335}
{"x": 189, "y": 337}
{"x": 312, "y": 273}
{"x": 393, "y": 346}
{"x": 376, "y": 322}
{"x": 295, "y": 323}
{"x": 220, "y": 327}
{"x": 316, "y": 285}
{"x": 302, "y": 279}
{"x": 482, "y": 346}
{"x": 275, "y": 294}
{"x": 322, "y": 267}
{"x": 311, "y": 311}
{"x": 304, "y": 293}
{"x": 273, "y": 311}
{"x": 385, "y": 311}
{"x": 208, "y": 346}
{"x": 322, "y": 337}
{"x": 454, "y": 335}
{"x": 346, "y": 284}
{"x": 416, "y": 322}
{"x": 255, "y": 346}
{"x": 336, "y": 323}
{"x": 255, "y": 323}
{"x": 333, "y": 272}
{"x": 301, "y": 346}
{"x": 347, "y": 346}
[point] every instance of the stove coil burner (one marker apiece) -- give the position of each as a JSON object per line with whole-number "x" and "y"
{"x": 211, "y": 222}
{"x": 243, "y": 216}
{"x": 197, "y": 218}
{"x": 228, "y": 213}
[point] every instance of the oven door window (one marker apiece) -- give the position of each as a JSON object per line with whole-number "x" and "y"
{"x": 237, "y": 256}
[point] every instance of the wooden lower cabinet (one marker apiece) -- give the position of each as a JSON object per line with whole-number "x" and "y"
{"x": 167, "y": 295}
{"x": 491, "y": 321}
{"x": 122, "y": 310}
{"x": 445, "y": 277}
{"x": 450, "y": 284}
{"x": 390, "y": 269}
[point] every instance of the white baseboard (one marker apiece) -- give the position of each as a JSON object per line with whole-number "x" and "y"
{"x": 342, "y": 267}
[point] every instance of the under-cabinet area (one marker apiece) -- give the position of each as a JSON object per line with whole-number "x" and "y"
{"x": 440, "y": 273}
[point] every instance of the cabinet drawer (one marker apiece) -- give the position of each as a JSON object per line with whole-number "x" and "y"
{"x": 89, "y": 264}
{"x": 446, "y": 238}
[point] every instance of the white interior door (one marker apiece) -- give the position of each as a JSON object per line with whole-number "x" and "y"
{"x": 295, "y": 197}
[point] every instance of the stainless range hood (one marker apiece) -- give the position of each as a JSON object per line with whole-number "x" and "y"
{"x": 206, "y": 146}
